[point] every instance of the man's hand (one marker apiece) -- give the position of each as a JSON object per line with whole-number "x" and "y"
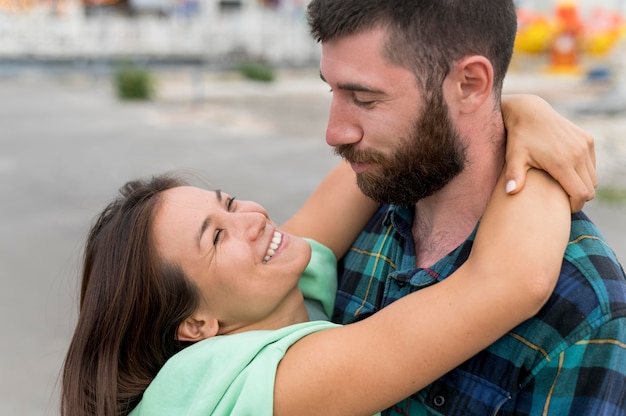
{"x": 539, "y": 137}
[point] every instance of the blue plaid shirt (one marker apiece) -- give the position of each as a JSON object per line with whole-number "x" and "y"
{"x": 570, "y": 359}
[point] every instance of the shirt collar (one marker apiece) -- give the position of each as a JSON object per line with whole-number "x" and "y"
{"x": 401, "y": 219}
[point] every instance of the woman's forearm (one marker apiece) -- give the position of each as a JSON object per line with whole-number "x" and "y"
{"x": 335, "y": 212}
{"x": 524, "y": 236}
{"x": 408, "y": 344}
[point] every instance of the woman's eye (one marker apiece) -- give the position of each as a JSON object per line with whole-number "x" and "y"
{"x": 230, "y": 205}
{"x": 218, "y": 234}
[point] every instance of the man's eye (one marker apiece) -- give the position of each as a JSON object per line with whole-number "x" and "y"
{"x": 229, "y": 203}
{"x": 218, "y": 234}
{"x": 362, "y": 103}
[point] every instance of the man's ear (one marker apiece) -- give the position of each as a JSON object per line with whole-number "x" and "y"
{"x": 196, "y": 328}
{"x": 473, "y": 81}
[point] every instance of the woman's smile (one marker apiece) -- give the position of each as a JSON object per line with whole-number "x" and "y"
{"x": 275, "y": 243}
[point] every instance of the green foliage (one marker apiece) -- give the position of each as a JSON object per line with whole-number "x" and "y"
{"x": 611, "y": 195}
{"x": 133, "y": 83}
{"x": 257, "y": 71}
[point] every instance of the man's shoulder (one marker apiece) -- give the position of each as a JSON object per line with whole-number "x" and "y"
{"x": 586, "y": 241}
{"x": 591, "y": 266}
{"x": 590, "y": 292}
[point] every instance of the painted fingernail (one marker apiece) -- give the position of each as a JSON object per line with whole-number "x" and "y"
{"x": 510, "y": 186}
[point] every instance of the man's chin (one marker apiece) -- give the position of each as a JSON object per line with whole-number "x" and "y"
{"x": 383, "y": 191}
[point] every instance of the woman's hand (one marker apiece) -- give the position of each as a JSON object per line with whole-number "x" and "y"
{"x": 539, "y": 137}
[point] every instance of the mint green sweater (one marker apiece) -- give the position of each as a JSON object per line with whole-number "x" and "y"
{"x": 235, "y": 374}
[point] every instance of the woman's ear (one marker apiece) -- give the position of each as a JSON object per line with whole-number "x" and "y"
{"x": 197, "y": 328}
{"x": 473, "y": 77}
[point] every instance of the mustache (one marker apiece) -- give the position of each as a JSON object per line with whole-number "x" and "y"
{"x": 350, "y": 154}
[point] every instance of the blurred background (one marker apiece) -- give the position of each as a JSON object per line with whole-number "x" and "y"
{"x": 96, "y": 92}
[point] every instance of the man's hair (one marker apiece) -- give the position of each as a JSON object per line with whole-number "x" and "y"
{"x": 425, "y": 36}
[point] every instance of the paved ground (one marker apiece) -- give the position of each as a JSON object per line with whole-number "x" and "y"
{"x": 67, "y": 144}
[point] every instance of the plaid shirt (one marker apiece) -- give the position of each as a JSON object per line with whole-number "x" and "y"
{"x": 570, "y": 359}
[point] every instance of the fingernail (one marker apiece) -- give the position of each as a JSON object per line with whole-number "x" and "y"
{"x": 510, "y": 186}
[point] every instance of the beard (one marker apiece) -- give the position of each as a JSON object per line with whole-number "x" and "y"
{"x": 423, "y": 163}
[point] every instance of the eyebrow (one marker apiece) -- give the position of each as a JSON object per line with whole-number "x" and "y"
{"x": 207, "y": 221}
{"x": 350, "y": 86}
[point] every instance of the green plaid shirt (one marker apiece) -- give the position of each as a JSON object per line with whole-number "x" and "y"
{"x": 570, "y": 359}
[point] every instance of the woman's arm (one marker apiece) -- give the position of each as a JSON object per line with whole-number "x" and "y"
{"x": 335, "y": 212}
{"x": 539, "y": 137}
{"x": 369, "y": 365}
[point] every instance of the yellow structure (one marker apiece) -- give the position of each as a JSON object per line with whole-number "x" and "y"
{"x": 565, "y": 38}
{"x": 602, "y": 32}
{"x": 534, "y": 33}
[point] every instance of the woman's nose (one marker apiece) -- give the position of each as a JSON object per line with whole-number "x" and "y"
{"x": 250, "y": 224}
{"x": 250, "y": 206}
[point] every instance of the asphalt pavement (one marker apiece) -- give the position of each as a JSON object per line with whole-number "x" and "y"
{"x": 67, "y": 144}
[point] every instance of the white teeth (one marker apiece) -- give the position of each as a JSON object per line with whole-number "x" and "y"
{"x": 271, "y": 250}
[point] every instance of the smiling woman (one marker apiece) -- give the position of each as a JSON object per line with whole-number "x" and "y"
{"x": 225, "y": 247}
{"x": 195, "y": 303}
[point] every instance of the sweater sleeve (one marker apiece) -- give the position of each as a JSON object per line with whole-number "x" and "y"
{"x": 318, "y": 282}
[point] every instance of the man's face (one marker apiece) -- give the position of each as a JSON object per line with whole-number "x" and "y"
{"x": 402, "y": 147}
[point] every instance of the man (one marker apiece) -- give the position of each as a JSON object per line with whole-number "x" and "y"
{"x": 416, "y": 110}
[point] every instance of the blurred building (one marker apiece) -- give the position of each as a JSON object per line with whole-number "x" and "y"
{"x": 212, "y": 30}
{"x": 132, "y": 7}
{"x": 272, "y": 30}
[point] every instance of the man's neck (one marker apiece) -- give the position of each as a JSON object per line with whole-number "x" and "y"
{"x": 444, "y": 220}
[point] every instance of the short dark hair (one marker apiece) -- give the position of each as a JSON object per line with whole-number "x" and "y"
{"x": 425, "y": 36}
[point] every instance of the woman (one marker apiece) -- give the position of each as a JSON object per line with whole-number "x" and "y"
{"x": 167, "y": 266}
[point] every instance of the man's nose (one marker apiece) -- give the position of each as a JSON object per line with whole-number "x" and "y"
{"x": 343, "y": 126}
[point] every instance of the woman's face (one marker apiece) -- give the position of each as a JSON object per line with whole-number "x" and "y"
{"x": 247, "y": 271}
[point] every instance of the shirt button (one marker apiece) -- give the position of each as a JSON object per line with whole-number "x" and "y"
{"x": 439, "y": 401}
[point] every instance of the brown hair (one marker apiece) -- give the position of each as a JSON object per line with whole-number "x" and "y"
{"x": 131, "y": 304}
{"x": 425, "y": 36}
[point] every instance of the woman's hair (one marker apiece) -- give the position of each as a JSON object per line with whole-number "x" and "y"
{"x": 131, "y": 304}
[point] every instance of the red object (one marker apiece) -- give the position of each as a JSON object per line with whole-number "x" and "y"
{"x": 566, "y": 44}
